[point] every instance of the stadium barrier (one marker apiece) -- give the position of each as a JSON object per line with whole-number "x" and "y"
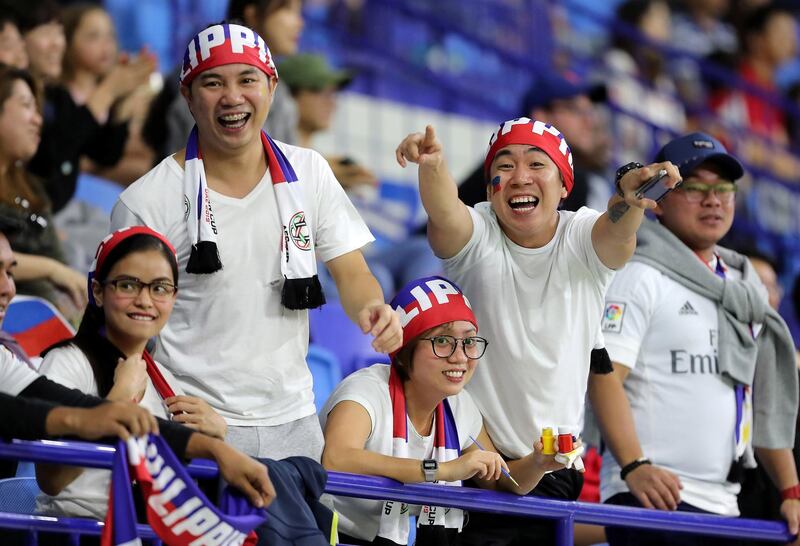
{"x": 565, "y": 513}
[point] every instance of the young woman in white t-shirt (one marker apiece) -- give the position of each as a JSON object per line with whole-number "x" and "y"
{"x": 132, "y": 291}
{"x": 413, "y": 422}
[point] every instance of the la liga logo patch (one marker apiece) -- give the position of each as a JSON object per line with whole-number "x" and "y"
{"x": 613, "y": 316}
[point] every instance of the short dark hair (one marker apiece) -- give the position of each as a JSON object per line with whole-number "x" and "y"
{"x": 756, "y": 21}
{"x": 30, "y": 14}
{"x": 263, "y": 7}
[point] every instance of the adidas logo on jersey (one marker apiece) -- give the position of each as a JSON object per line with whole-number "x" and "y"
{"x": 687, "y": 309}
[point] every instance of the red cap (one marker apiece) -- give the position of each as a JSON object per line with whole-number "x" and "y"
{"x": 534, "y": 133}
{"x": 429, "y": 302}
{"x": 111, "y": 241}
{"x": 224, "y": 44}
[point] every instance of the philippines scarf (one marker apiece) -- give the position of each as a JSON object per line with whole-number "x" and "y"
{"x": 301, "y": 287}
{"x": 434, "y": 522}
{"x": 179, "y": 513}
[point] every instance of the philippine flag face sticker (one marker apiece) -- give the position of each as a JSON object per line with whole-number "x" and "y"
{"x": 612, "y": 317}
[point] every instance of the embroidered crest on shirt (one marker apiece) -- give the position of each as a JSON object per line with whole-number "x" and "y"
{"x": 687, "y": 309}
{"x": 612, "y": 317}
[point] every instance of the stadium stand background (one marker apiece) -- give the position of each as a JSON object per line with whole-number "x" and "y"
{"x": 462, "y": 65}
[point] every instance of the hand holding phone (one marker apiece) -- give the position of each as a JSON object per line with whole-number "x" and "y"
{"x": 655, "y": 188}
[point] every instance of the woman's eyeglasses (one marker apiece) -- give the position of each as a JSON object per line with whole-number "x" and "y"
{"x": 444, "y": 346}
{"x": 131, "y": 288}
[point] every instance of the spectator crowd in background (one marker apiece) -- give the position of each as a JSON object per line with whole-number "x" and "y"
{"x": 74, "y": 107}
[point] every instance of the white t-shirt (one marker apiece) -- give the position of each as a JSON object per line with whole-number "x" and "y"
{"x": 684, "y": 410}
{"x": 540, "y": 310}
{"x": 369, "y": 387}
{"x": 229, "y": 339}
{"x": 87, "y": 495}
{"x": 15, "y": 376}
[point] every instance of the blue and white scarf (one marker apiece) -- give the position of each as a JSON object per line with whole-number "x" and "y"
{"x": 301, "y": 287}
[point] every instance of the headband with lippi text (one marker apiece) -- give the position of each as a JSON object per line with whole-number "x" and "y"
{"x": 429, "y": 302}
{"x": 112, "y": 240}
{"x": 537, "y": 134}
{"x": 224, "y": 44}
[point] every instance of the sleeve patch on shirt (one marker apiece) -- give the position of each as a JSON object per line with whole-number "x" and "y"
{"x": 612, "y": 317}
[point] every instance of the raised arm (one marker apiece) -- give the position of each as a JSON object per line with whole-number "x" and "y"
{"x": 652, "y": 486}
{"x": 614, "y": 233}
{"x": 449, "y": 221}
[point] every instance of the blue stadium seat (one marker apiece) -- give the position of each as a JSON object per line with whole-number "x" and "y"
{"x": 333, "y": 330}
{"x": 18, "y": 495}
{"x": 98, "y": 192}
{"x": 325, "y": 369}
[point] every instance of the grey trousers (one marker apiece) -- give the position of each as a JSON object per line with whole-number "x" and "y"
{"x": 301, "y": 437}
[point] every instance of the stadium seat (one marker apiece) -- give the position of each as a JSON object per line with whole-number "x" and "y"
{"x": 325, "y": 369}
{"x": 35, "y": 324}
{"x": 333, "y": 330}
{"x": 18, "y": 495}
{"x": 98, "y": 192}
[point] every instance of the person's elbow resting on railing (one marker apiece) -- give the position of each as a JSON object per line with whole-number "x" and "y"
{"x": 346, "y": 431}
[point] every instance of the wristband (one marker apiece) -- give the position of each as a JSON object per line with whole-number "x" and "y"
{"x": 792, "y": 492}
{"x": 622, "y": 171}
{"x": 630, "y": 467}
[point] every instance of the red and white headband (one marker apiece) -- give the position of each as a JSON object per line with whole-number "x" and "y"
{"x": 224, "y": 44}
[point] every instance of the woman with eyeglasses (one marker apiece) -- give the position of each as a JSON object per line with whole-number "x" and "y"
{"x": 132, "y": 291}
{"x": 412, "y": 421}
{"x": 23, "y": 201}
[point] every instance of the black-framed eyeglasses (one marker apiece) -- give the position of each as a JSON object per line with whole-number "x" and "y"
{"x": 131, "y": 287}
{"x": 444, "y": 346}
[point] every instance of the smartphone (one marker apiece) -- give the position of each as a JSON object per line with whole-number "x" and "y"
{"x": 655, "y": 188}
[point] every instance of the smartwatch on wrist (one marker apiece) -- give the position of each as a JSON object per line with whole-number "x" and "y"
{"x": 792, "y": 492}
{"x": 622, "y": 171}
{"x": 429, "y": 468}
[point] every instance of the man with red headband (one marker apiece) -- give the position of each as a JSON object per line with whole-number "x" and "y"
{"x": 536, "y": 277}
{"x": 248, "y": 216}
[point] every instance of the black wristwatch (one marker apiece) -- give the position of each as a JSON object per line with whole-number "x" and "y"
{"x": 622, "y": 171}
{"x": 429, "y": 468}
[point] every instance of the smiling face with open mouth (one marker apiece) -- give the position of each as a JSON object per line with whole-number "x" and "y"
{"x": 525, "y": 190}
{"x": 230, "y": 104}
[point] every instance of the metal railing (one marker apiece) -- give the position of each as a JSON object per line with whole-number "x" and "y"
{"x": 564, "y": 513}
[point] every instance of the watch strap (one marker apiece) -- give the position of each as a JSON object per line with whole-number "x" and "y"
{"x": 622, "y": 171}
{"x": 630, "y": 467}
{"x": 429, "y": 469}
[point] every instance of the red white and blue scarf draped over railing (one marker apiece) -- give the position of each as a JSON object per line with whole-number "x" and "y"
{"x": 565, "y": 513}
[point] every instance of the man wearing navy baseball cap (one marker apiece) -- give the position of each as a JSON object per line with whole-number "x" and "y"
{"x": 704, "y": 369}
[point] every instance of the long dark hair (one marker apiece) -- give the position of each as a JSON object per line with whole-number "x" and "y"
{"x": 16, "y": 182}
{"x": 101, "y": 353}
